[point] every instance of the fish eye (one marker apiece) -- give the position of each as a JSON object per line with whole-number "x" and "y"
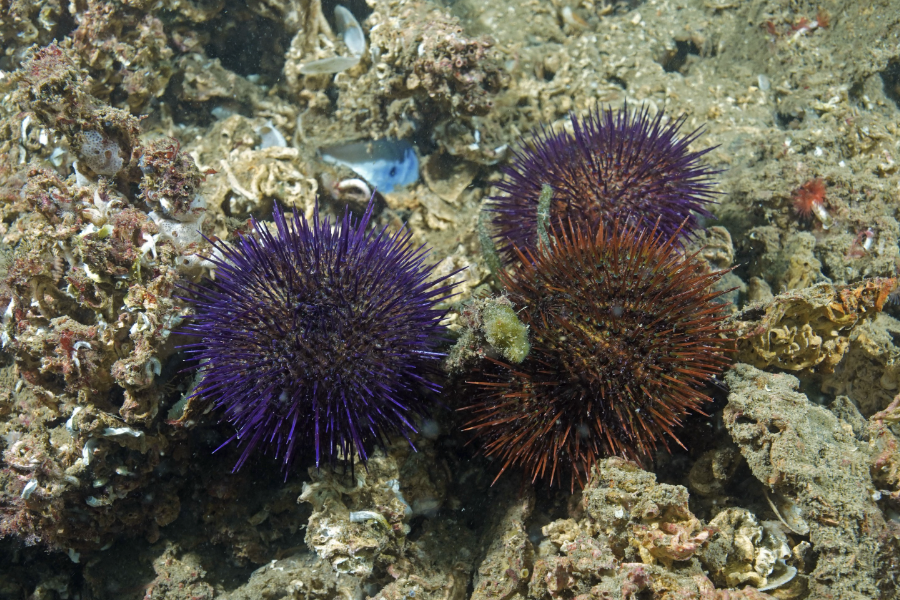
{"x": 393, "y": 171}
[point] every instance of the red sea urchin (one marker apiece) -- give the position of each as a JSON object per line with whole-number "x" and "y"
{"x": 615, "y": 166}
{"x": 318, "y": 334}
{"x": 625, "y": 328}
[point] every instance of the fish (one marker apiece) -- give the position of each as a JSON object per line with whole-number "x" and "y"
{"x": 384, "y": 163}
{"x": 327, "y": 66}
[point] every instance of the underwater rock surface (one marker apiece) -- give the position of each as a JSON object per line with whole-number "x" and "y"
{"x": 132, "y": 133}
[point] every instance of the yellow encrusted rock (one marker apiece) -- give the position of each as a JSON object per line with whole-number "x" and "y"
{"x": 809, "y": 328}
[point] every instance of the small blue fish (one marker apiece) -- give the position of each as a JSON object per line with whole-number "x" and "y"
{"x": 385, "y": 163}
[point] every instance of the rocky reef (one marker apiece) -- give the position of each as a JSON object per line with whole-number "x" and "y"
{"x": 133, "y": 134}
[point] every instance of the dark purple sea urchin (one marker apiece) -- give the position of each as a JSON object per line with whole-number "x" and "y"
{"x": 616, "y": 165}
{"x": 320, "y": 334}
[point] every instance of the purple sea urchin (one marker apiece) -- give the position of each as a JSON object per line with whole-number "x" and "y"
{"x": 625, "y": 329}
{"x": 616, "y": 165}
{"x": 318, "y": 333}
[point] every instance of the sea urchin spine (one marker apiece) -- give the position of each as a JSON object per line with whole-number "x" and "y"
{"x": 623, "y": 166}
{"x": 625, "y": 329}
{"x": 321, "y": 334}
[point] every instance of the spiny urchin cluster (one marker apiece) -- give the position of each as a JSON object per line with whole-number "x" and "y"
{"x": 625, "y": 329}
{"x": 315, "y": 335}
{"x": 615, "y": 166}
